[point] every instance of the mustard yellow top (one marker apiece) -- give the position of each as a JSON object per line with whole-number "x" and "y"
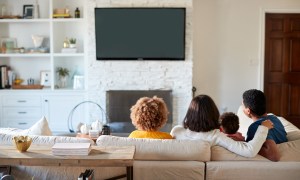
{"x": 150, "y": 134}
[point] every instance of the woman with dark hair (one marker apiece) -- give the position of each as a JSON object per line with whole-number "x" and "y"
{"x": 202, "y": 122}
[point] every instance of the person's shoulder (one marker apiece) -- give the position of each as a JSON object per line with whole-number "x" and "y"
{"x": 164, "y": 135}
{"x": 135, "y": 134}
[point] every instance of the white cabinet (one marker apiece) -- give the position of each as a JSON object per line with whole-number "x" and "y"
{"x": 23, "y": 109}
{"x": 20, "y": 111}
{"x": 54, "y": 31}
{"x": 58, "y": 108}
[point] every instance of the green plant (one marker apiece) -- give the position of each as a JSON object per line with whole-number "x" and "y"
{"x": 62, "y": 71}
{"x": 72, "y": 40}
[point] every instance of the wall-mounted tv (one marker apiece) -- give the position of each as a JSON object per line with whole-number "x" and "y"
{"x": 140, "y": 33}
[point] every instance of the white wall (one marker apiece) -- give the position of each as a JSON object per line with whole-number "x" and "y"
{"x": 228, "y": 46}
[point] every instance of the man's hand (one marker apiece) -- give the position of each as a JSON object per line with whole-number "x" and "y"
{"x": 268, "y": 124}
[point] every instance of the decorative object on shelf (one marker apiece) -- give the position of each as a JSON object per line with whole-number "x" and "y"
{"x": 28, "y": 11}
{"x": 77, "y": 13}
{"x": 3, "y": 10}
{"x": 103, "y": 115}
{"x": 36, "y": 10}
{"x": 8, "y": 45}
{"x": 37, "y": 41}
{"x": 22, "y": 143}
{"x": 66, "y": 43}
{"x": 45, "y": 78}
{"x": 34, "y": 86}
{"x": 72, "y": 43}
{"x": 63, "y": 74}
{"x": 78, "y": 82}
{"x": 61, "y": 13}
{"x": 69, "y": 50}
{"x": 30, "y": 81}
{"x": 18, "y": 81}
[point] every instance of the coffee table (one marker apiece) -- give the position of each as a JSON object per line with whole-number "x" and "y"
{"x": 98, "y": 157}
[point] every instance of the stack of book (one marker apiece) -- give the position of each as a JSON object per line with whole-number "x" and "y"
{"x": 69, "y": 50}
{"x": 62, "y": 149}
{"x": 88, "y": 174}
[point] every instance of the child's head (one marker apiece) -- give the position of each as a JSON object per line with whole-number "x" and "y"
{"x": 202, "y": 115}
{"x": 149, "y": 114}
{"x": 229, "y": 123}
{"x": 255, "y": 101}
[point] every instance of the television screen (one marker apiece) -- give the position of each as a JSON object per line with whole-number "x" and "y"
{"x": 140, "y": 33}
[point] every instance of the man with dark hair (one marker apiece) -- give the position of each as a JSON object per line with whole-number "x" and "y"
{"x": 254, "y": 102}
{"x": 229, "y": 124}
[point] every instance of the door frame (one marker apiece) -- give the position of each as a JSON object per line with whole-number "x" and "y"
{"x": 261, "y": 64}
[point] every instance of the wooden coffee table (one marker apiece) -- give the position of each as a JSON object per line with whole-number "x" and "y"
{"x": 98, "y": 157}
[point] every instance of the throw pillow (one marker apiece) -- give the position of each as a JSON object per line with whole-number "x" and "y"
{"x": 39, "y": 128}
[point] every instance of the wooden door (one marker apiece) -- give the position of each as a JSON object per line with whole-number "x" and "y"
{"x": 282, "y": 66}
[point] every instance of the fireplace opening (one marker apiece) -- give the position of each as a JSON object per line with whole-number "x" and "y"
{"x": 119, "y": 102}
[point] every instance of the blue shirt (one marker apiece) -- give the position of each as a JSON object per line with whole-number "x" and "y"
{"x": 278, "y": 133}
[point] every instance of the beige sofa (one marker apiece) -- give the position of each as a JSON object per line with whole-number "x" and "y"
{"x": 176, "y": 159}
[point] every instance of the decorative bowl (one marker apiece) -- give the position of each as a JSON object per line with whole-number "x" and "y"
{"x": 22, "y": 143}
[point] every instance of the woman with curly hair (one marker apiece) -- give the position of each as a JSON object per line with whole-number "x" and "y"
{"x": 148, "y": 115}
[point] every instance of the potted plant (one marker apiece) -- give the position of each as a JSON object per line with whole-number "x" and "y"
{"x": 72, "y": 42}
{"x": 63, "y": 74}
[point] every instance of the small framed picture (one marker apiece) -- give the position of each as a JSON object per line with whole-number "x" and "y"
{"x": 8, "y": 45}
{"x": 45, "y": 78}
{"x": 28, "y": 11}
{"x": 78, "y": 82}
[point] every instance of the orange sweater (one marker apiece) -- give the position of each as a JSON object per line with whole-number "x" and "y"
{"x": 150, "y": 134}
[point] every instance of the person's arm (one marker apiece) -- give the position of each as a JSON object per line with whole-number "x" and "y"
{"x": 269, "y": 150}
{"x": 246, "y": 149}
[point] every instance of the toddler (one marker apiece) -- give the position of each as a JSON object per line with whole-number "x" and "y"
{"x": 230, "y": 126}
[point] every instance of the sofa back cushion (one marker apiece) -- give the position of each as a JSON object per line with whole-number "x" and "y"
{"x": 289, "y": 151}
{"x": 43, "y": 140}
{"x": 161, "y": 149}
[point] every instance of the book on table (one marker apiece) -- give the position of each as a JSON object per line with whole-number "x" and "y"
{"x": 71, "y": 149}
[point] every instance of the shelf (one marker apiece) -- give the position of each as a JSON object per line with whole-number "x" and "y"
{"x": 68, "y": 54}
{"x": 26, "y": 55}
{"x": 24, "y": 20}
{"x": 68, "y": 20}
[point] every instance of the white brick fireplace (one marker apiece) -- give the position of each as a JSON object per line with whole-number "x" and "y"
{"x": 141, "y": 75}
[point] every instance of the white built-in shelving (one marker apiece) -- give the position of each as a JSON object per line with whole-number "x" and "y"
{"x": 54, "y": 30}
{"x": 53, "y": 102}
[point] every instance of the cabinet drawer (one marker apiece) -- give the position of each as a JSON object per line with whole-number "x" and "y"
{"x": 21, "y": 101}
{"x": 20, "y": 124}
{"x": 22, "y": 112}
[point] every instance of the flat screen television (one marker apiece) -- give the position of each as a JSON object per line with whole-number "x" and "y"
{"x": 140, "y": 33}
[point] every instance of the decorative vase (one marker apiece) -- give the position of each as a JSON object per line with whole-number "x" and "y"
{"x": 72, "y": 45}
{"x": 84, "y": 129}
{"x": 97, "y": 125}
{"x": 63, "y": 81}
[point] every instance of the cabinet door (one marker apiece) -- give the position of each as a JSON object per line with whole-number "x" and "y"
{"x": 57, "y": 109}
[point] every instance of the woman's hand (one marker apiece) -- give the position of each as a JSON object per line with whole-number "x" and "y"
{"x": 268, "y": 124}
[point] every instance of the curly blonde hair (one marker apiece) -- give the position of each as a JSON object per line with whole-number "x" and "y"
{"x": 149, "y": 114}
